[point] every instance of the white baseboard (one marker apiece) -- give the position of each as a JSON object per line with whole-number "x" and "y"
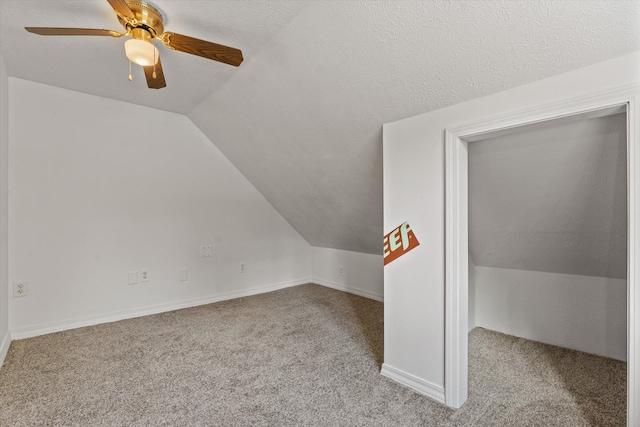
{"x": 345, "y": 288}
{"x": 423, "y": 387}
{"x": 4, "y": 347}
{"x": 48, "y": 328}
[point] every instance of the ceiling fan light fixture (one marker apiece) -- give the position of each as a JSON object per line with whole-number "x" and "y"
{"x": 141, "y": 52}
{"x": 144, "y": 23}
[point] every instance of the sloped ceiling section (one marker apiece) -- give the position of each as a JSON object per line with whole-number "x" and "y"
{"x": 552, "y": 199}
{"x": 303, "y": 120}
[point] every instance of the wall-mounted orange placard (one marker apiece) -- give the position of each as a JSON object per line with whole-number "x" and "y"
{"x": 398, "y": 242}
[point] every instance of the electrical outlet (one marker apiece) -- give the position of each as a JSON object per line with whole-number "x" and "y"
{"x": 205, "y": 251}
{"x": 183, "y": 275}
{"x": 133, "y": 277}
{"x": 341, "y": 270}
{"x": 20, "y": 289}
{"x": 243, "y": 267}
{"x": 144, "y": 274}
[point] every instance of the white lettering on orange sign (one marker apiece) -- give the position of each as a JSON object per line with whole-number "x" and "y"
{"x": 400, "y": 238}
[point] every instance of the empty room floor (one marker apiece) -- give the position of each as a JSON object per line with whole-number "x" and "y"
{"x": 306, "y": 355}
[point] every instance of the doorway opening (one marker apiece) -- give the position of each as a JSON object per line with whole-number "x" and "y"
{"x": 547, "y": 271}
{"x": 457, "y": 237}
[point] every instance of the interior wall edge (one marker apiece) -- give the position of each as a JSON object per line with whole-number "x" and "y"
{"x": 212, "y": 141}
{"x": 4, "y": 221}
{"x": 472, "y": 294}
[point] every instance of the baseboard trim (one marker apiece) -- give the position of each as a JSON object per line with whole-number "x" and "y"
{"x": 349, "y": 289}
{"x": 421, "y": 386}
{"x": 4, "y": 347}
{"x": 48, "y": 328}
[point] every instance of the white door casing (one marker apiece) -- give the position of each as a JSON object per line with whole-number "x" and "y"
{"x": 456, "y": 228}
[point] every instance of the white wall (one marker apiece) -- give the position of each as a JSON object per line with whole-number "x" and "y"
{"x": 472, "y": 290}
{"x": 362, "y": 274}
{"x": 552, "y": 199}
{"x": 414, "y": 185}
{"x": 584, "y": 313}
{"x": 101, "y": 187}
{"x": 5, "y": 338}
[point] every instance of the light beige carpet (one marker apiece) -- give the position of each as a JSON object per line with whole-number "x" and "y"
{"x": 303, "y": 356}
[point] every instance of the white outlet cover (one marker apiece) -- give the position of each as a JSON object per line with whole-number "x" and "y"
{"x": 243, "y": 267}
{"x": 20, "y": 289}
{"x": 205, "y": 251}
{"x": 144, "y": 274}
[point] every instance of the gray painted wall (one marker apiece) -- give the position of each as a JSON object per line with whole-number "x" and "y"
{"x": 552, "y": 199}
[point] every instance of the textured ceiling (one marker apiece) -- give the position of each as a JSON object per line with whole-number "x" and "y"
{"x": 301, "y": 118}
{"x": 552, "y": 199}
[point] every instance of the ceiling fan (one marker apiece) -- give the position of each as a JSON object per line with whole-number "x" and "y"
{"x": 144, "y": 23}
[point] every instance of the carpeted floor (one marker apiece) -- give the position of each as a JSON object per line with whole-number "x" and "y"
{"x": 302, "y": 356}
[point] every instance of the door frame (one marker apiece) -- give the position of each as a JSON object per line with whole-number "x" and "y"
{"x": 617, "y": 100}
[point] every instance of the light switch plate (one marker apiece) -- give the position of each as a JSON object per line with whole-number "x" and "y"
{"x": 133, "y": 277}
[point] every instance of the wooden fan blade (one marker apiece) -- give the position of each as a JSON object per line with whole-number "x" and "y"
{"x": 48, "y": 31}
{"x": 121, "y": 7}
{"x": 156, "y": 82}
{"x": 205, "y": 49}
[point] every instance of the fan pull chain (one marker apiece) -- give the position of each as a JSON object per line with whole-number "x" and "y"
{"x": 130, "y": 78}
{"x": 154, "y": 64}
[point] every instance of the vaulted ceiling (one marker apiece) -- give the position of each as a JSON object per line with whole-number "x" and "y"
{"x": 301, "y": 118}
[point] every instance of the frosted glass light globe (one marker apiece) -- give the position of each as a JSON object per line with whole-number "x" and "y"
{"x": 141, "y": 52}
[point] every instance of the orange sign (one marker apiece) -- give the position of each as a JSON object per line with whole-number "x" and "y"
{"x": 399, "y": 242}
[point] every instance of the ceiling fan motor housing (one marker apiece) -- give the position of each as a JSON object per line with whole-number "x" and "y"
{"x": 147, "y": 17}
